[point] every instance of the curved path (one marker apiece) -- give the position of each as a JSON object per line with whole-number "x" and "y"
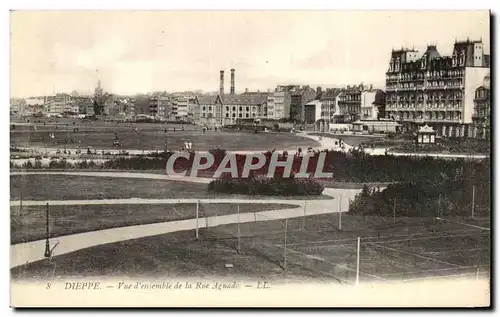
{"x": 24, "y": 253}
{"x": 328, "y": 142}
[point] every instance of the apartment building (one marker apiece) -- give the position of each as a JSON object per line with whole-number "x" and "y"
{"x": 481, "y": 116}
{"x": 299, "y": 97}
{"x": 330, "y": 104}
{"x": 279, "y": 102}
{"x": 436, "y": 90}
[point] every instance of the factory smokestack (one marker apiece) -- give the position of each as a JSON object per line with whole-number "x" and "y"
{"x": 232, "y": 81}
{"x": 221, "y": 89}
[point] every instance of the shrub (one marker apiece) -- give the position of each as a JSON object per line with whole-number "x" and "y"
{"x": 266, "y": 186}
{"x": 28, "y": 165}
{"x": 443, "y": 194}
{"x": 38, "y": 164}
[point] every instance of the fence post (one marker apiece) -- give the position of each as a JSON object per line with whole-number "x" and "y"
{"x": 304, "y": 217}
{"x": 473, "y": 199}
{"x": 284, "y": 262}
{"x": 439, "y": 206}
{"x": 394, "y": 211}
{"x": 357, "y": 261}
{"x": 238, "y": 228}
{"x": 197, "y": 216}
{"x": 340, "y": 212}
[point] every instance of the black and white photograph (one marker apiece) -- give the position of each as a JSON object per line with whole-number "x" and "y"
{"x": 250, "y": 158}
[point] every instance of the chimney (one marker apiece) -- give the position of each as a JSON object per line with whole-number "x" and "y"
{"x": 221, "y": 89}
{"x": 246, "y": 90}
{"x": 232, "y": 81}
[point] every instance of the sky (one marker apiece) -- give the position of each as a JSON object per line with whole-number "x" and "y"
{"x": 141, "y": 51}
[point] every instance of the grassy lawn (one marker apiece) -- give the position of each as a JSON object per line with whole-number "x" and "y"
{"x": 29, "y": 225}
{"x": 155, "y": 138}
{"x": 410, "y": 248}
{"x": 66, "y": 187}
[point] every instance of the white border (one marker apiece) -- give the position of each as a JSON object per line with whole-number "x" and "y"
{"x": 185, "y": 4}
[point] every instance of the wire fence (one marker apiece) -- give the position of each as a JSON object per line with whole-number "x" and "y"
{"x": 328, "y": 249}
{"x": 272, "y": 239}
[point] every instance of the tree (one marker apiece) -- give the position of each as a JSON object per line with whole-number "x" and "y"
{"x": 98, "y": 99}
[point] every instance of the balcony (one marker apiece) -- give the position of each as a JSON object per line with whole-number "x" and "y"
{"x": 444, "y": 120}
{"x": 416, "y": 120}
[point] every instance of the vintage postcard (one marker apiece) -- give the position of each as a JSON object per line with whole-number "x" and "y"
{"x": 250, "y": 159}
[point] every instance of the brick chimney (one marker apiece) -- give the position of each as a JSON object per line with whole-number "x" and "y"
{"x": 221, "y": 89}
{"x": 232, "y": 81}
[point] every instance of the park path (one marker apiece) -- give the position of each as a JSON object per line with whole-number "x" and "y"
{"x": 24, "y": 253}
{"x": 328, "y": 142}
{"x": 28, "y": 252}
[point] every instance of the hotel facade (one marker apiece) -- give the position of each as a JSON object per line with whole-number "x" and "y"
{"x": 436, "y": 90}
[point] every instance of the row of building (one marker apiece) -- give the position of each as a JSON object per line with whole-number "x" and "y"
{"x": 449, "y": 93}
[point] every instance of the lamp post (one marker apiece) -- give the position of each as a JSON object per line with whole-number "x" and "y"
{"x": 47, "y": 243}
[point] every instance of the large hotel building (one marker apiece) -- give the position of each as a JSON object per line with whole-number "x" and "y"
{"x": 434, "y": 89}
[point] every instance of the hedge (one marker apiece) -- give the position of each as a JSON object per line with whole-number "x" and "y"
{"x": 262, "y": 185}
{"x": 346, "y": 167}
{"x": 442, "y": 195}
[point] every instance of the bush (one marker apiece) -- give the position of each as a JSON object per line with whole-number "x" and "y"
{"x": 267, "y": 186}
{"x": 38, "y": 164}
{"x": 27, "y": 165}
{"x": 443, "y": 194}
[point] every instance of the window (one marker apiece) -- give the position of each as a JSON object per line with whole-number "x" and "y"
{"x": 248, "y": 109}
{"x": 234, "y": 115}
{"x": 227, "y": 115}
{"x": 210, "y": 108}
{"x": 227, "y": 108}
{"x": 234, "y": 108}
{"x": 241, "y": 108}
{"x": 204, "y": 108}
{"x": 247, "y": 115}
{"x": 240, "y": 115}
